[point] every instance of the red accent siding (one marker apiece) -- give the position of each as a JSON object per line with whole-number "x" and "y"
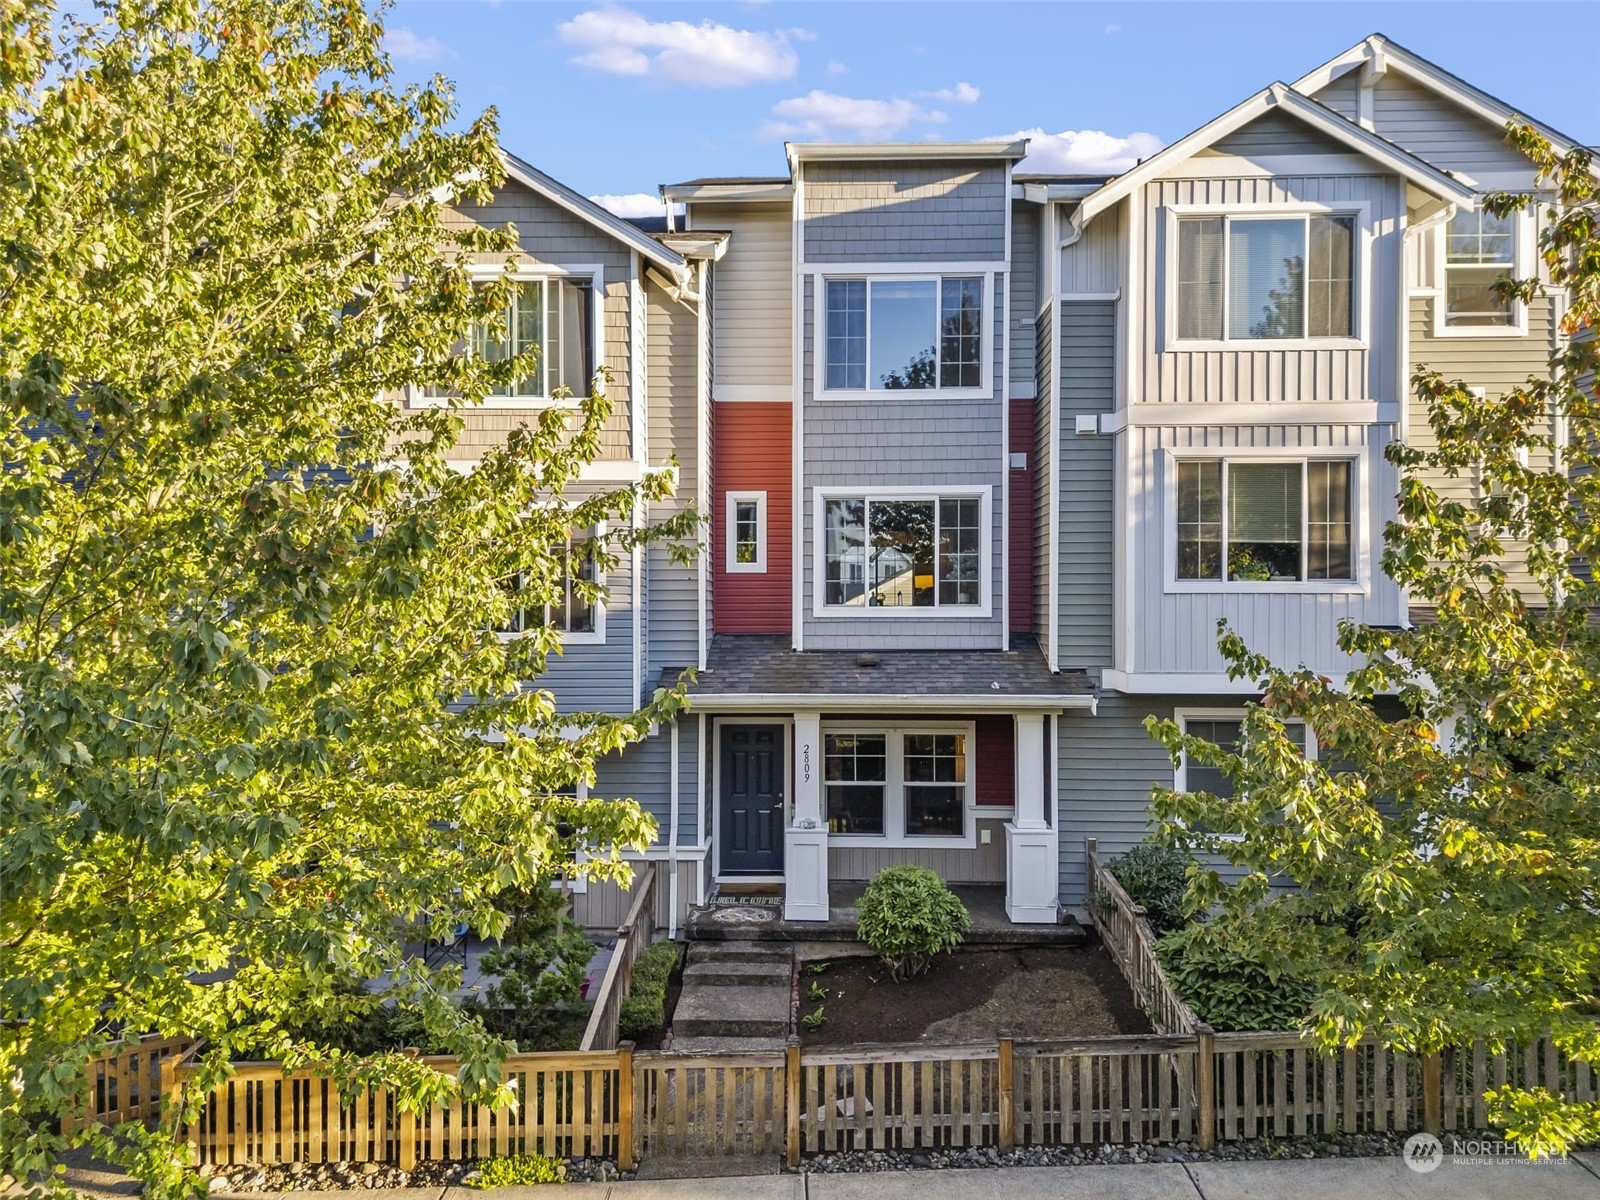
{"x": 996, "y": 762}
{"x": 750, "y": 453}
{"x": 1019, "y": 524}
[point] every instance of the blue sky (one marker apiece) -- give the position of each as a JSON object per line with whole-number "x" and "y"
{"x": 614, "y": 99}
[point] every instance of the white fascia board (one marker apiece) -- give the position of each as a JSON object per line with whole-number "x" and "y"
{"x": 799, "y": 152}
{"x": 581, "y": 206}
{"x": 1280, "y": 96}
{"x": 698, "y": 243}
{"x": 910, "y": 702}
{"x": 727, "y": 193}
{"x": 1163, "y": 683}
{"x": 1036, "y": 192}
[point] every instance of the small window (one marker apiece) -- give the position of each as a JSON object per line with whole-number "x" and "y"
{"x": 856, "y": 774}
{"x": 903, "y": 553}
{"x": 903, "y": 334}
{"x": 574, "y": 611}
{"x": 1224, "y": 732}
{"x": 1264, "y": 522}
{"x": 548, "y": 319}
{"x": 1264, "y": 278}
{"x": 1480, "y": 248}
{"x": 935, "y": 784}
{"x": 747, "y": 532}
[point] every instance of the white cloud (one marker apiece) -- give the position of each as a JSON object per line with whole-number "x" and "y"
{"x": 1082, "y": 151}
{"x": 632, "y": 204}
{"x": 618, "y": 41}
{"x": 837, "y": 68}
{"x": 962, "y": 93}
{"x": 820, "y": 114}
{"x": 1110, "y": 29}
{"x": 403, "y": 45}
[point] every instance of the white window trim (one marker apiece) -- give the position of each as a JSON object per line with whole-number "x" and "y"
{"x": 925, "y": 272}
{"x": 1180, "y": 773}
{"x": 1360, "y": 272}
{"x": 1524, "y": 253}
{"x": 527, "y": 272}
{"x": 894, "y": 797}
{"x": 733, "y": 500}
{"x": 1360, "y": 516}
{"x": 973, "y": 612}
{"x": 598, "y": 637}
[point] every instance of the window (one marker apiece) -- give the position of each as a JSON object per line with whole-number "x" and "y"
{"x": 1479, "y": 248}
{"x": 898, "y": 784}
{"x": 1253, "y": 278}
{"x": 1264, "y": 521}
{"x": 549, "y": 319}
{"x": 1224, "y": 732}
{"x": 895, "y": 553}
{"x": 572, "y": 612}
{"x": 903, "y": 334}
{"x": 747, "y": 532}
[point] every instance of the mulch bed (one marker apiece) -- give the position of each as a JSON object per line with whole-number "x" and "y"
{"x": 1031, "y": 992}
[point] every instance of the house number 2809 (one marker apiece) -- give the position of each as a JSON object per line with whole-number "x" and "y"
{"x": 805, "y": 762}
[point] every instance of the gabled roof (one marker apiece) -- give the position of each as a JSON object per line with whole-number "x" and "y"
{"x": 1283, "y": 98}
{"x": 581, "y": 206}
{"x": 1384, "y": 54}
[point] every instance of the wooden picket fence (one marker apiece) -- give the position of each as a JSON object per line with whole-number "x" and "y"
{"x": 1126, "y": 933}
{"x": 634, "y": 936}
{"x": 128, "y": 1083}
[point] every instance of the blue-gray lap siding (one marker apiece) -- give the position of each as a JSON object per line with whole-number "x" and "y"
{"x": 643, "y": 773}
{"x": 599, "y": 678}
{"x": 912, "y": 212}
{"x": 912, "y": 442}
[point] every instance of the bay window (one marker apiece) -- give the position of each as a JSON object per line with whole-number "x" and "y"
{"x": 1480, "y": 248}
{"x": 1262, "y": 278}
{"x": 550, "y": 319}
{"x": 898, "y": 784}
{"x": 1250, "y": 521}
{"x": 903, "y": 334}
{"x": 896, "y": 552}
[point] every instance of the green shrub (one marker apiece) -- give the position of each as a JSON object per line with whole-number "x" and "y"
{"x": 1228, "y": 986}
{"x": 1155, "y": 876}
{"x": 645, "y": 1009}
{"x": 518, "y": 1170}
{"x": 908, "y": 915}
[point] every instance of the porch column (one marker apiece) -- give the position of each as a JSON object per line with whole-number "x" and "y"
{"x": 1033, "y": 868}
{"x": 805, "y": 840}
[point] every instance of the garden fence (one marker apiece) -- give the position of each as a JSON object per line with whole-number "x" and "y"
{"x": 1127, "y": 934}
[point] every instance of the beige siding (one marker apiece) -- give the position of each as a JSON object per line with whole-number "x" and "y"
{"x": 1264, "y": 375}
{"x": 1433, "y": 128}
{"x": 1093, "y": 263}
{"x": 982, "y": 864}
{"x": 752, "y": 321}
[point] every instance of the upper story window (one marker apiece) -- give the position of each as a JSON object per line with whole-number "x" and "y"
{"x": 1262, "y": 278}
{"x": 902, "y": 552}
{"x": 1479, "y": 249}
{"x": 1265, "y": 522}
{"x": 903, "y": 334}
{"x": 551, "y": 319}
{"x": 575, "y": 613}
{"x": 747, "y": 532}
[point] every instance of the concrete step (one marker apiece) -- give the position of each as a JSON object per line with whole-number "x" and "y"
{"x": 725, "y": 1012}
{"x": 724, "y": 952}
{"x": 714, "y": 972}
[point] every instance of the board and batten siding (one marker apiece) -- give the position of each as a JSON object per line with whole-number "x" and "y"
{"x": 1094, "y": 264}
{"x": 671, "y": 593}
{"x": 919, "y": 441}
{"x": 642, "y": 772}
{"x": 1044, "y": 358}
{"x": 603, "y": 905}
{"x": 549, "y": 234}
{"x": 1259, "y": 373}
{"x": 1176, "y": 632}
{"x": 980, "y": 864}
{"x": 752, "y": 319}
{"x": 1088, "y": 387}
{"x": 1025, "y": 222}
{"x": 942, "y": 211}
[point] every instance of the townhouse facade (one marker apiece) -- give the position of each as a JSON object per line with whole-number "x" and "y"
{"x": 985, "y": 457}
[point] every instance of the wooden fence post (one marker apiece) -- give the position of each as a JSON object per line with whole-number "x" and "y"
{"x": 624, "y": 1106}
{"x": 1432, "y": 1095}
{"x": 1007, "y": 1097}
{"x": 791, "y": 1102}
{"x": 1205, "y": 1086}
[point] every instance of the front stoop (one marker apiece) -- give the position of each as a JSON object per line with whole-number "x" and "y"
{"x": 735, "y": 996}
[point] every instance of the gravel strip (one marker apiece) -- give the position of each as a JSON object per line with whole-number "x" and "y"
{"x": 343, "y": 1176}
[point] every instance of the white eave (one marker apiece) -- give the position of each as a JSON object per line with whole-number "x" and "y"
{"x": 1040, "y": 192}
{"x": 844, "y": 151}
{"x": 909, "y": 702}
{"x": 1280, "y": 96}
{"x": 745, "y": 193}
{"x": 581, "y": 206}
{"x": 697, "y": 243}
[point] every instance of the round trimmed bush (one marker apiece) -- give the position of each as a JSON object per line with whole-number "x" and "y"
{"x": 1155, "y": 876}
{"x": 908, "y": 915}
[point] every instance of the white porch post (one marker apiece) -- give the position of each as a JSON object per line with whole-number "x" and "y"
{"x": 1033, "y": 867}
{"x": 805, "y": 841}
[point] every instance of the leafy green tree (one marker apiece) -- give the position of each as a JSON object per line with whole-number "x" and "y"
{"x": 1447, "y": 842}
{"x": 242, "y": 595}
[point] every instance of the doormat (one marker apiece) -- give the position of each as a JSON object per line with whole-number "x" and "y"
{"x": 769, "y": 901}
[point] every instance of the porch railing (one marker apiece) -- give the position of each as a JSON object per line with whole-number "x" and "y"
{"x": 634, "y": 936}
{"x": 1127, "y": 934}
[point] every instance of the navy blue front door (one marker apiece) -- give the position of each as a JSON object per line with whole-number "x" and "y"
{"x": 751, "y": 804}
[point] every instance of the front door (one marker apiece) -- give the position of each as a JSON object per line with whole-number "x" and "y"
{"x": 751, "y": 806}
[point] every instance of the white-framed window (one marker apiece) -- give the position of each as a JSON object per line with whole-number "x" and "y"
{"x": 899, "y": 784}
{"x": 580, "y": 618}
{"x": 1266, "y": 276}
{"x": 747, "y": 532}
{"x": 904, "y": 333}
{"x": 552, "y": 315}
{"x": 1224, "y": 727}
{"x": 1264, "y": 521}
{"x": 1479, "y": 248}
{"x": 896, "y": 551}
